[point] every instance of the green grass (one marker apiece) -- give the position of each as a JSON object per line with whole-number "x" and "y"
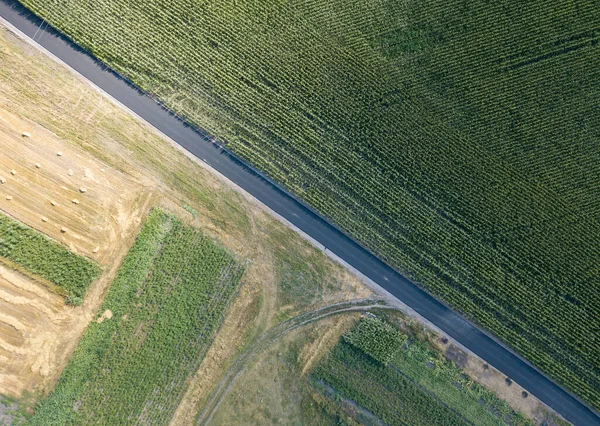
{"x": 167, "y": 301}
{"x": 457, "y": 140}
{"x": 452, "y": 387}
{"x": 413, "y": 385}
{"x": 37, "y": 254}
{"x": 191, "y": 210}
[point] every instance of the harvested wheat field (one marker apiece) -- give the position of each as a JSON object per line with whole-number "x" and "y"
{"x": 95, "y": 210}
{"x": 64, "y": 193}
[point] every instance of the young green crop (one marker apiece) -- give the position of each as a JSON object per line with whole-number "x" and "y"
{"x": 382, "y": 390}
{"x": 167, "y": 301}
{"x": 376, "y": 338}
{"x": 411, "y": 385}
{"x": 456, "y": 140}
{"x": 42, "y": 256}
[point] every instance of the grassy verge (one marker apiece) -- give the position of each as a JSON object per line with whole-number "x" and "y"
{"x": 39, "y": 255}
{"x": 165, "y": 305}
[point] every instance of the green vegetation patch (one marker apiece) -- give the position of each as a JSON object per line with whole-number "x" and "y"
{"x": 415, "y": 385}
{"x": 167, "y": 301}
{"x": 382, "y": 390}
{"x": 38, "y": 254}
{"x": 458, "y": 140}
{"x": 376, "y": 338}
{"x": 191, "y": 210}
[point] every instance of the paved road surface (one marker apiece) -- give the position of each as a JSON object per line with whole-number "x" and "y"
{"x": 199, "y": 144}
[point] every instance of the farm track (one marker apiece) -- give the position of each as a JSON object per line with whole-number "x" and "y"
{"x": 301, "y": 217}
{"x": 275, "y": 333}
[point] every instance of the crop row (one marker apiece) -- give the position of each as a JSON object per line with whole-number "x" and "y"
{"x": 376, "y": 338}
{"x": 167, "y": 301}
{"x": 477, "y": 182}
{"x": 381, "y": 390}
{"x": 409, "y": 374}
{"x": 46, "y": 258}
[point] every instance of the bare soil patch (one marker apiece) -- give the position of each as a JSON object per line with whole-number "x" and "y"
{"x": 33, "y": 325}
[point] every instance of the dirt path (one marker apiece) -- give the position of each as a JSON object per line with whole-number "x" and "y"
{"x": 275, "y": 333}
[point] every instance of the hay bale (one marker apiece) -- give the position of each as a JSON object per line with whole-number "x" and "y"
{"x": 75, "y": 201}
{"x": 44, "y": 219}
{"x": 13, "y": 172}
{"x": 82, "y": 190}
{"x": 96, "y": 250}
{"x": 9, "y": 197}
{"x": 63, "y": 229}
{"x": 53, "y": 202}
{"x": 38, "y": 165}
{"x": 2, "y": 180}
{"x": 70, "y": 172}
{"x": 26, "y": 134}
{"x": 59, "y": 153}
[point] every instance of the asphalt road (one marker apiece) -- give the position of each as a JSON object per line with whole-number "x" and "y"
{"x": 200, "y": 144}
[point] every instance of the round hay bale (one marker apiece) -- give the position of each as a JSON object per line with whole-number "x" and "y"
{"x": 38, "y": 165}
{"x": 13, "y": 172}
{"x": 63, "y": 229}
{"x": 9, "y": 197}
{"x": 2, "y": 180}
{"x": 75, "y": 201}
{"x": 82, "y": 190}
{"x": 53, "y": 202}
{"x": 96, "y": 250}
{"x": 26, "y": 134}
{"x": 70, "y": 172}
{"x": 59, "y": 153}
{"x": 44, "y": 219}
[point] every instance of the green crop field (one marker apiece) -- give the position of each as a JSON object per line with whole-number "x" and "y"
{"x": 167, "y": 300}
{"x": 457, "y": 140}
{"x": 413, "y": 387}
{"x": 35, "y": 253}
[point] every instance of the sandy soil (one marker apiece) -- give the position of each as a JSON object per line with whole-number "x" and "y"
{"x": 33, "y": 321}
